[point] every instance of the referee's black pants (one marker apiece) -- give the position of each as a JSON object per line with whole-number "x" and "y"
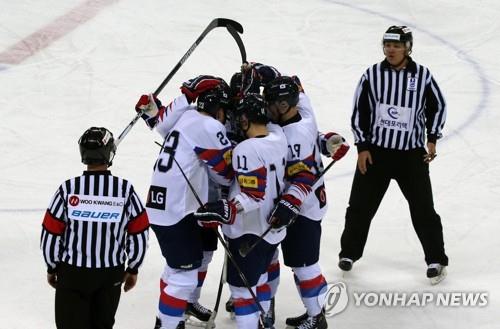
{"x": 412, "y": 176}
{"x": 87, "y": 298}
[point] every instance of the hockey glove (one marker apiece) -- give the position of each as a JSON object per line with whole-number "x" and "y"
{"x": 333, "y": 145}
{"x": 298, "y": 83}
{"x": 261, "y": 74}
{"x": 196, "y": 86}
{"x": 149, "y": 105}
{"x": 212, "y": 214}
{"x": 285, "y": 212}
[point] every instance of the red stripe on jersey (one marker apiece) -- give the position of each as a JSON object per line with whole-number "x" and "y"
{"x": 218, "y": 159}
{"x": 52, "y": 224}
{"x": 138, "y": 224}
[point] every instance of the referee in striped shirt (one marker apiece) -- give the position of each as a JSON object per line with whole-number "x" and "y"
{"x": 94, "y": 225}
{"x": 397, "y": 104}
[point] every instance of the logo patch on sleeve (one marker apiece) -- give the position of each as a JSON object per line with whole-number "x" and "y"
{"x": 296, "y": 168}
{"x": 248, "y": 181}
{"x": 228, "y": 156}
{"x": 157, "y": 197}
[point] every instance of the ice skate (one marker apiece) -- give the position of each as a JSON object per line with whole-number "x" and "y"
{"x": 157, "y": 323}
{"x": 436, "y": 273}
{"x": 230, "y": 309}
{"x": 314, "y": 322}
{"x": 296, "y": 321}
{"x": 181, "y": 324}
{"x": 345, "y": 264}
{"x": 197, "y": 315}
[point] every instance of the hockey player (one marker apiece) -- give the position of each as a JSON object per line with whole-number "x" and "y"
{"x": 304, "y": 196}
{"x": 258, "y": 163}
{"x": 94, "y": 228}
{"x": 397, "y": 103}
{"x": 195, "y": 142}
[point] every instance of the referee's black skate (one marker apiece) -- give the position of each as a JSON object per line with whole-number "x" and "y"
{"x": 345, "y": 264}
{"x": 314, "y": 322}
{"x": 436, "y": 273}
{"x": 197, "y": 311}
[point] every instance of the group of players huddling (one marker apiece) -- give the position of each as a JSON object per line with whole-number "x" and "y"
{"x": 245, "y": 156}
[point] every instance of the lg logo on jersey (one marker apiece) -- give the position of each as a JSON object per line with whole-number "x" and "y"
{"x": 157, "y": 196}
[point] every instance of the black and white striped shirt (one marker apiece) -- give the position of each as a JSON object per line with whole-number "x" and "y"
{"x": 396, "y": 109}
{"x": 95, "y": 220}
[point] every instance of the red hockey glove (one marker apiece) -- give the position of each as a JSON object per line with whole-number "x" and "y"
{"x": 334, "y": 145}
{"x": 149, "y": 105}
{"x": 196, "y": 86}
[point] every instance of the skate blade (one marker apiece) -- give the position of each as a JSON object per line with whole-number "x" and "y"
{"x": 194, "y": 322}
{"x": 435, "y": 280}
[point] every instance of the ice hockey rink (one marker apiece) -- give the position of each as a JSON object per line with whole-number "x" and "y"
{"x": 68, "y": 65}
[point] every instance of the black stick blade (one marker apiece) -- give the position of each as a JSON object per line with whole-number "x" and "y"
{"x": 229, "y": 22}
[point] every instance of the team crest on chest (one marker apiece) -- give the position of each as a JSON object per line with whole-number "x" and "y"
{"x": 412, "y": 83}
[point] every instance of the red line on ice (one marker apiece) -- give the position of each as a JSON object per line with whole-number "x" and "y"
{"x": 53, "y": 31}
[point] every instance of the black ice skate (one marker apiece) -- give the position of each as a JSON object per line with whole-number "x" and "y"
{"x": 436, "y": 273}
{"x": 197, "y": 315}
{"x": 314, "y": 322}
{"x": 230, "y": 309}
{"x": 181, "y": 324}
{"x": 296, "y": 321}
{"x": 157, "y": 323}
{"x": 345, "y": 264}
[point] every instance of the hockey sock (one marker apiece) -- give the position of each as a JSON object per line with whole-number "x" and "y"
{"x": 273, "y": 274}
{"x": 264, "y": 292}
{"x": 312, "y": 286}
{"x": 179, "y": 286}
{"x": 245, "y": 308}
{"x": 202, "y": 273}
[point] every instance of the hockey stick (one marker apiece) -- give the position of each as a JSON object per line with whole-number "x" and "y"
{"x": 211, "y": 322}
{"x": 245, "y": 248}
{"x": 223, "y": 243}
{"x": 233, "y": 28}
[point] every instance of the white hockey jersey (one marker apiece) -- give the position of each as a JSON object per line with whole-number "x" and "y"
{"x": 304, "y": 162}
{"x": 198, "y": 144}
{"x": 259, "y": 166}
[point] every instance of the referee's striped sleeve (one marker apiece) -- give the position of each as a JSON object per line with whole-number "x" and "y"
{"x": 361, "y": 115}
{"x": 137, "y": 233}
{"x": 53, "y": 227}
{"x": 435, "y": 111}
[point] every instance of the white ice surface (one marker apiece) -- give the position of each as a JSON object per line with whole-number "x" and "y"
{"x": 95, "y": 73}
